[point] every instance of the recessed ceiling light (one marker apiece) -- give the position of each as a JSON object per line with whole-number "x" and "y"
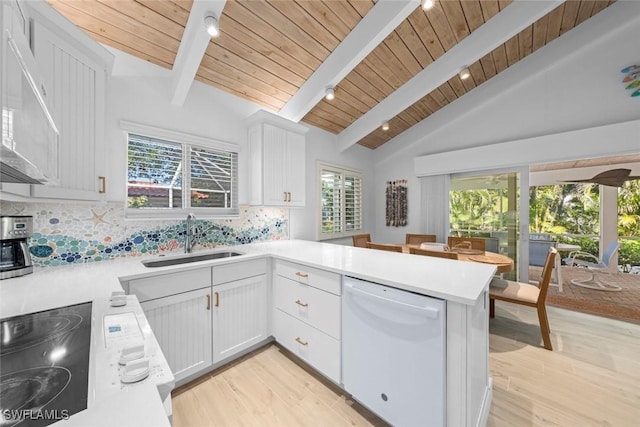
{"x": 329, "y": 94}
{"x": 464, "y": 73}
{"x": 428, "y": 4}
{"x": 212, "y": 26}
{"x": 385, "y": 125}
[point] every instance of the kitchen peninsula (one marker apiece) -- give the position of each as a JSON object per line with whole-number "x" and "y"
{"x": 462, "y": 285}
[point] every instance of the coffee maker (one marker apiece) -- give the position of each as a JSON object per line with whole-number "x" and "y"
{"x": 15, "y": 259}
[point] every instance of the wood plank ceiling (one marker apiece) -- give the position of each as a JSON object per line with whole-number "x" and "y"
{"x": 268, "y": 49}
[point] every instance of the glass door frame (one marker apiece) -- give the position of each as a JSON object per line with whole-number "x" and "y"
{"x": 522, "y": 260}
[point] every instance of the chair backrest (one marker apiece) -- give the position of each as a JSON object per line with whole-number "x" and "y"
{"x": 546, "y": 273}
{"x": 416, "y": 239}
{"x": 360, "y": 240}
{"x": 384, "y": 247}
{"x": 439, "y": 254}
{"x": 492, "y": 244}
{"x": 538, "y": 250}
{"x": 609, "y": 252}
{"x": 475, "y": 242}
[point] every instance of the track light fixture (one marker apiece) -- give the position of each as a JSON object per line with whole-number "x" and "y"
{"x": 212, "y": 26}
{"x": 464, "y": 73}
{"x": 385, "y": 125}
{"x": 428, "y": 4}
{"x": 329, "y": 94}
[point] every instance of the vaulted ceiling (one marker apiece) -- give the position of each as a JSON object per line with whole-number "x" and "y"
{"x": 282, "y": 54}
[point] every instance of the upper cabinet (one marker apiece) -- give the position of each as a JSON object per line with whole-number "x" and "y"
{"x": 277, "y": 161}
{"x": 75, "y": 70}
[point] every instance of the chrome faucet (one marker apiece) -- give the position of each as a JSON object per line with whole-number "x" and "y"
{"x": 190, "y": 239}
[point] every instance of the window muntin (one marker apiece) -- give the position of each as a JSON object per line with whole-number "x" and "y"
{"x": 167, "y": 176}
{"x": 340, "y": 202}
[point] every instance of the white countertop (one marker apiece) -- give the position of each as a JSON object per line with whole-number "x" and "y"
{"x": 457, "y": 281}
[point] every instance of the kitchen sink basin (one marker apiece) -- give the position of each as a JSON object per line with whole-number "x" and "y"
{"x": 189, "y": 258}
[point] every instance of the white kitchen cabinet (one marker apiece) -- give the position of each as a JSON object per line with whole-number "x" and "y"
{"x": 179, "y": 309}
{"x": 277, "y": 159}
{"x": 306, "y": 318}
{"x": 240, "y": 299}
{"x": 182, "y": 325}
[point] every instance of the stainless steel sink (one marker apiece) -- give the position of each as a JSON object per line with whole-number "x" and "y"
{"x": 189, "y": 258}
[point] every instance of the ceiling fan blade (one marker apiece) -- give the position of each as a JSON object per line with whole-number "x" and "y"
{"x": 611, "y": 178}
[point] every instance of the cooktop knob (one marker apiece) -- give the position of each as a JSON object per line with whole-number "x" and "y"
{"x": 134, "y": 371}
{"x": 131, "y": 352}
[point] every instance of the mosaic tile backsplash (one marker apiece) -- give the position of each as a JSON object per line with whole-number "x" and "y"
{"x": 77, "y": 233}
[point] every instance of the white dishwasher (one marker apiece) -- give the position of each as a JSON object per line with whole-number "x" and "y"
{"x": 393, "y": 352}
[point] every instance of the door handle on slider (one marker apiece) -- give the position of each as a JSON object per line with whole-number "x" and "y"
{"x": 303, "y": 275}
{"x": 299, "y": 341}
{"x": 301, "y": 304}
{"x": 217, "y": 304}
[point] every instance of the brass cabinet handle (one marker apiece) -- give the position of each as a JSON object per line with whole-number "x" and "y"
{"x": 288, "y": 196}
{"x": 103, "y": 184}
{"x": 285, "y": 196}
{"x": 299, "y": 341}
{"x": 208, "y": 301}
{"x": 301, "y": 304}
{"x": 217, "y": 304}
{"x": 303, "y": 275}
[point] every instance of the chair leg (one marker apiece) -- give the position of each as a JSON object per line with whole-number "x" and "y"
{"x": 544, "y": 326}
{"x": 492, "y": 308}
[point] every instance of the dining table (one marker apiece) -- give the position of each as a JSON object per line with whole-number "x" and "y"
{"x": 503, "y": 263}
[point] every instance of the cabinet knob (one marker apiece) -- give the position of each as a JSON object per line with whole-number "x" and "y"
{"x": 299, "y": 341}
{"x": 301, "y": 304}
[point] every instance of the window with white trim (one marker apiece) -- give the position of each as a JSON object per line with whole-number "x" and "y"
{"x": 340, "y": 202}
{"x": 167, "y": 178}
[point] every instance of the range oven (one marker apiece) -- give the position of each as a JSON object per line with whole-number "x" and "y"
{"x": 44, "y": 365}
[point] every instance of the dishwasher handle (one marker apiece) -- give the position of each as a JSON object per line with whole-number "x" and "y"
{"x": 430, "y": 312}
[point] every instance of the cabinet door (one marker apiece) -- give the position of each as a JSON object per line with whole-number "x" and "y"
{"x": 239, "y": 315}
{"x": 295, "y": 169}
{"x": 76, "y": 99}
{"x": 274, "y": 161}
{"x": 182, "y": 325}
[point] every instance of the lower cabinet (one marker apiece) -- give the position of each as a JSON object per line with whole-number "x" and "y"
{"x": 182, "y": 325}
{"x": 239, "y": 315}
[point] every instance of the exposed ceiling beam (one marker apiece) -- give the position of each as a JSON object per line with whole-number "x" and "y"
{"x": 376, "y": 25}
{"x": 506, "y": 24}
{"x": 193, "y": 45}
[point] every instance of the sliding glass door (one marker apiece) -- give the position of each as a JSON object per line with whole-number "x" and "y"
{"x": 489, "y": 205}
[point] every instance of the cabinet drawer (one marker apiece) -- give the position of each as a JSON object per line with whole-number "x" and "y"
{"x": 321, "y": 279}
{"x": 239, "y": 270}
{"x": 318, "y": 308}
{"x": 154, "y": 287}
{"x": 314, "y": 347}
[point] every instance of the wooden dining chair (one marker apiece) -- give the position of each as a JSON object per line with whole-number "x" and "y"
{"x": 360, "y": 240}
{"x": 467, "y": 243}
{"x": 416, "y": 239}
{"x": 384, "y": 247}
{"x": 526, "y": 294}
{"x": 439, "y": 254}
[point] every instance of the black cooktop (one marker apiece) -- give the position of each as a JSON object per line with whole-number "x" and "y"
{"x": 44, "y": 365}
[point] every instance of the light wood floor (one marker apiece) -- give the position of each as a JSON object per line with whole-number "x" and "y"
{"x": 592, "y": 378}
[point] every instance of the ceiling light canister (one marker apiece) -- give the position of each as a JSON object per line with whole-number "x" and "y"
{"x": 464, "y": 73}
{"x": 385, "y": 125}
{"x": 212, "y": 26}
{"x": 428, "y": 4}
{"x": 329, "y": 94}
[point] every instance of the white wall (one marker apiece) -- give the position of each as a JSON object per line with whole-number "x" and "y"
{"x": 573, "y": 83}
{"x": 323, "y": 146}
